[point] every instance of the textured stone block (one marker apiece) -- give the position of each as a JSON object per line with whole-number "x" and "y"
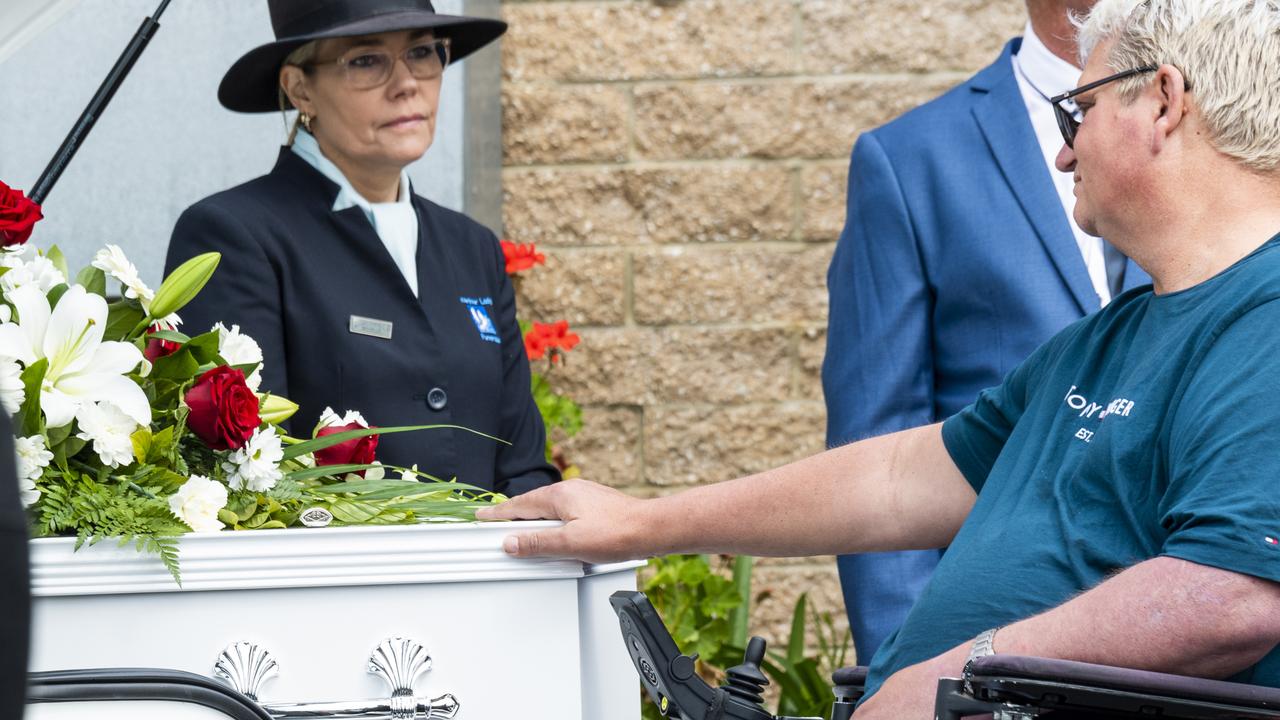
{"x": 772, "y": 119}
{"x": 585, "y": 287}
{"x": 715, "y": 203}
{"x": 824, "y": 195}
{"x": 744, "y": 283}
{"x": 608, "y": 448}
{"x": 686, "y": 365}
{"x": 813, "y": 348}
{"x": 547, "y": 124}
{"x": 719, "y": 365}
{"x": 698, "y": 445}
{"x": 711, "y": 203}
{"x": 571, "y": 207}
{"x": 712, "y": 119}
{"x": 828, "y": 115}
{"x": 870, "y": 36}
{"x": 592, "y": 41}
{"x": 609, "y": 367}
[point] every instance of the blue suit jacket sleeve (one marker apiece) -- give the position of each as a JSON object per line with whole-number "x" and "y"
{"x": 877, "y": 376}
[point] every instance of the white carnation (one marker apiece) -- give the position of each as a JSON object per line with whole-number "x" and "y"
{"x": 12, "y": 391}
{"x": 197, "y": 503}
{"x": 108, "y": 428}
{"x": 111, "y": 260}
{"x": 329, "y": 418}
{"x": 28, "y": 492}
{"x": 256, "y": 465}
{"x": 38, "y": 271}
{"x": 239, "y": 349}
{"x": 33, "y": 457}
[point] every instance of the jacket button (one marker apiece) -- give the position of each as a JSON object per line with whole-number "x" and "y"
{"x": 437, "y": 399}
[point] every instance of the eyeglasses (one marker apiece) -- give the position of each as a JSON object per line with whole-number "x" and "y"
{"x": 365, "y": 68}
{"x": 1067, "y": 121}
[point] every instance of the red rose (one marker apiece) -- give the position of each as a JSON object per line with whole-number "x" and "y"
{"x": 356, "y": 451}
{"x": 18, "y": 214}
{"x": 224, "y": 411}
{"x": 157, "y": 348}
{"x": 521, "y": 257}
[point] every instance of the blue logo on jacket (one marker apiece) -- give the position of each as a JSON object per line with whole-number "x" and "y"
{"x": 476, "y": 306}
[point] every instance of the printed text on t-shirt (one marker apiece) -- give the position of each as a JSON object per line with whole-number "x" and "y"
{"x": 1088, "y": 409}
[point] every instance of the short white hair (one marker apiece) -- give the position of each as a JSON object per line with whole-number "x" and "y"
{"x": 1229, "y": 51}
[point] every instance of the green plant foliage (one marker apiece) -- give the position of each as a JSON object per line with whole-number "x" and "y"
{"x": 707, "y": 614}
{"x": 559, "y": 412}
{"x": 94, "y": 510}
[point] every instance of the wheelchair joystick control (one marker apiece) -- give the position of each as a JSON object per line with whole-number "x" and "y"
{"x": 746, "y": 682}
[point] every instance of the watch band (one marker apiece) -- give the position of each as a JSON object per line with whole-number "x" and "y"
{"x": 983, "y": 645}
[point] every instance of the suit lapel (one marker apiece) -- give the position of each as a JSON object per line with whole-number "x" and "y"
{"x": 353, "y": 225}
{"x": 1000, "y": 114}
{"x": 439, "y": 292}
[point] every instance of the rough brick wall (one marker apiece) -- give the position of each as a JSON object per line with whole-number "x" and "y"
{"x": 682, "y": 163}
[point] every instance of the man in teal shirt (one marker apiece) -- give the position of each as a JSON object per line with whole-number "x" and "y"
{"x": 1115, "y": 500}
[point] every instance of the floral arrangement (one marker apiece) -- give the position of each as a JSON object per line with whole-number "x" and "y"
{"x": 128, "y": 428}
{"x": 546, "y": 342}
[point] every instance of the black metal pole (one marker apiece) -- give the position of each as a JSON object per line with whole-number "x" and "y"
{"x": 99, "y": 103}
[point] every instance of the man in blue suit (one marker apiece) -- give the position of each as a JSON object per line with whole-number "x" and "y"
{"x": 958, "y": 258}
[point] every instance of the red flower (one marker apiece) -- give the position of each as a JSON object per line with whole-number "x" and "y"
{"x": 549, "y": 336}
{"x": 521, "y": 256}
{"x": 357, "y": 451}
{"x": 18, "y": 214}
{"x": 224, "y": 411}
{"x": 157, "y": 348}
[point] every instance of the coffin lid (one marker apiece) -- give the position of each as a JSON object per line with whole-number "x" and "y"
{"x": 21, "y": 20}
{"x": 301, "y": 557}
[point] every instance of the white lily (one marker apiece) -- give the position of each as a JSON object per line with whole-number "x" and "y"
{"x": 82, "y": 368}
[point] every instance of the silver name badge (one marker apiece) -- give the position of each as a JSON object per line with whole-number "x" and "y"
{"x": 369, "y": 326}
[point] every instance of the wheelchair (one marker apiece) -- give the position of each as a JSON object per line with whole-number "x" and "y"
{"x": 1003, "y": 687}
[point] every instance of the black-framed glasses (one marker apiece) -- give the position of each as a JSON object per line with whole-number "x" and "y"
{"x": 1067, "y": 121}
{"x": 369, "y": 67}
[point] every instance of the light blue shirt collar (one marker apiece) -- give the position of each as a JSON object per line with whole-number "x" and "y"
{"x": 306, "y": 147}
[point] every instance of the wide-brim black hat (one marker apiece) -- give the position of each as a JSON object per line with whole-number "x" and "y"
{"x": 252, "y": 84}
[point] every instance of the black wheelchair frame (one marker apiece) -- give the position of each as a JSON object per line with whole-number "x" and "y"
{"x": 1006, "y": 687}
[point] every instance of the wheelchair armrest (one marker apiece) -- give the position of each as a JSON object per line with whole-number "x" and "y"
{"x": 850, "y": 685}
{"x": 1038, "y": 684}
{"x": 850, "y": 677}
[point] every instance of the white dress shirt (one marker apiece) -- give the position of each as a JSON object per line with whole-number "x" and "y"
{"x": 1042, "y": 75}
{"x": 395, "y": 222}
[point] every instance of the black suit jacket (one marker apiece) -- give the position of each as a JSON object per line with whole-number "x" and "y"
{"x": 293, "y": 276}
{"x": 15, "y": 601}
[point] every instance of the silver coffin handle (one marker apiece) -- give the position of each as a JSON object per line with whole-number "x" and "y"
{"x": 399, "y": 661}
{"x": 398, "y": 708}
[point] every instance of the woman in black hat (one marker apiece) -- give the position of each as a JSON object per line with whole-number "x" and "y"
{"x": 362, "y": 295}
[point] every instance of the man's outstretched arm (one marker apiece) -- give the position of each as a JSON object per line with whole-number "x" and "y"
{"x": 1164, "y": 614}
{"x": 899, "y": 491}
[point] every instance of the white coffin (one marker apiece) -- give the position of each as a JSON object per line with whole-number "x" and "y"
{"x": 528, "y": 639}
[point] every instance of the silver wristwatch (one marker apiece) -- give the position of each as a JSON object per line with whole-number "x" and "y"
{"x": 983, "y": 645}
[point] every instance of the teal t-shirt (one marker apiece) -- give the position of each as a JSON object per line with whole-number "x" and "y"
{"x": 1150, "y": 428}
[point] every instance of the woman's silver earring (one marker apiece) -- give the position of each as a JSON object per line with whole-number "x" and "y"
{"x": 305, "y": 119}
